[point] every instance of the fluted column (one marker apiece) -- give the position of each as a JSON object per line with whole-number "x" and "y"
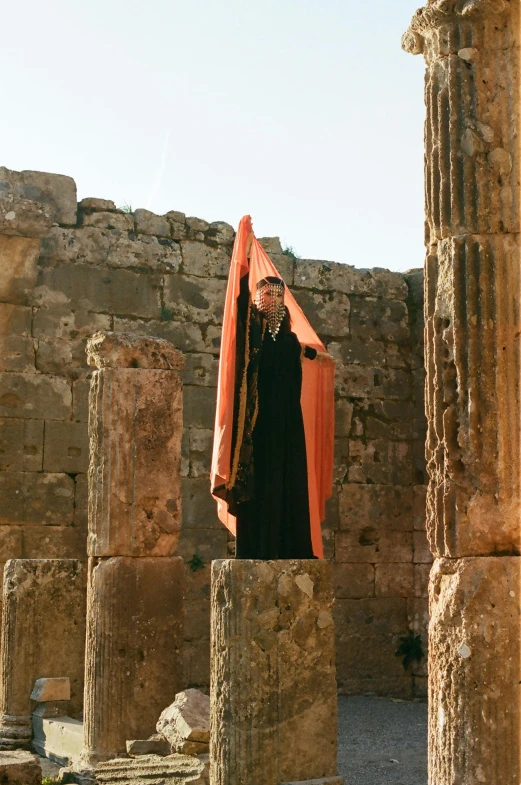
{"x": 43, "y": 635}
{"x": 472, "y": 310}
{"x": 135, "y": 587}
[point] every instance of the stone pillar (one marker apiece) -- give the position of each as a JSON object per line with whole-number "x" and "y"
{"x": 273, "y": 685}
{"x": 43, "y": 635}
{"x": 135, "y": 587}
{"x": 472, "y": 314}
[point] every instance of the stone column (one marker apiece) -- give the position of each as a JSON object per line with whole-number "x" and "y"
{"x": 43, "y": 635}
{"x": 135, "y": 587}
{"x": 273, "y": 686}
{"x": 472, "y": 304}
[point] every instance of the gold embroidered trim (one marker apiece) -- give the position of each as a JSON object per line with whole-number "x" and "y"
{"x": 242, "y": 404}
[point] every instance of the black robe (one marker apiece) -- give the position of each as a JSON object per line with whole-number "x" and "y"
{"x": 272, "y": 504}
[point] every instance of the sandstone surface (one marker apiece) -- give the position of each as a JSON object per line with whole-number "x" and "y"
{"x": 43, "y": 601}
{"x": 19, "y": 768}
{"x": 134, "y": 649}
{"x": 273, "y": 694}
{"x": 170, "y": 770}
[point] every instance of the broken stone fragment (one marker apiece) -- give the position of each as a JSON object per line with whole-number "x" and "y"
{"x": 19, "y": 768}
{"x": 127, "y": 350}
{"x": 170, "y": 770}
{"x": 55, "y": 689}
{"x": 156, "y": 745}
{"x": 185, "y": 724}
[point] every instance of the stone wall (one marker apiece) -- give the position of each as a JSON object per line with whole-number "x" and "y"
{"x": 67, "y": 270}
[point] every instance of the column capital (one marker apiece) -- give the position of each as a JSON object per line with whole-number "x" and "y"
{"x": 438, "y": 13}
{"x": 128, "y": 350}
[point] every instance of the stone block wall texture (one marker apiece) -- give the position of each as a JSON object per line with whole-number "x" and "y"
{"x": 68, "y": 270}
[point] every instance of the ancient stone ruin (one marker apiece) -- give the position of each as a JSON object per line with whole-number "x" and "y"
{"x": 472, "y": 311}
{"x": 108, "y": 529}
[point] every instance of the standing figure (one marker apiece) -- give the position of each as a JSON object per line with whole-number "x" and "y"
{"x": 271, "y": 469}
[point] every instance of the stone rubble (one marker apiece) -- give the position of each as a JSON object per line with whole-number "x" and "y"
{"x": 53, "y": 689}
{"x": 185, "y": 724}
{"x": 19, "y": 768}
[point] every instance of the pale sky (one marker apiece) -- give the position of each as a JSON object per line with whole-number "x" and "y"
{"x": 305, "y": 114}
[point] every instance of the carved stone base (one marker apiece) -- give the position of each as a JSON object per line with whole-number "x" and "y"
{"x": 15, "y": 732}
{"x": 273, "y": 695}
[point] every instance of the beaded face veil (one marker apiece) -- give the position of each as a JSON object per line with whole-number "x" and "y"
{"x": 269, "y": 299}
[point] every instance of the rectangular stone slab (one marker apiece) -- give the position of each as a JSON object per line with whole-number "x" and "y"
{"x": 135, "y": 431}
{"x": 134, "y": 646}
{"x": 474, "y": 671}
{"x": 43, "y": 635}
{"x": 273, "y": 694}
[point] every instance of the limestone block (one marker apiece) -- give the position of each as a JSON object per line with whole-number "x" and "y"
{"x": 150, "y": 223}
{"x": 187, "y": 719}
{"x": 99, "y": 289}
{"x": 18, "y": 267}
{"x": 51, "y": 709}
{"x": 116, "y": 247}
{"x": 185, "y": 336}
{"x": 366, "y": 351}
{"x": 372, "y": 626}
{"x": 153, "y": 746}
{"x": 205, "y": 544}
{"x": 474, "y": 676}
{"x": 421, "y": 580}
{"x": 54, "y": 542}
{"x": 273, "y": 692}
{"x": 34, "y": 397}
{"x": 200, "y": 442}
{"x": 43, "y": 602}
{"x": 367, "y": 544}
{"x": 421, "y": 550}
{"x": 58, "y": 738}
{"x": 55, "y": 193}
{"x": 16, "y": 346}
{"x": 134, "y": 483}
{"x": 328, "y": 314}
{"x": 202, "y": 260}
{"x": 126, "y": 350}
{"x": 80, "y": 399}
{"x": 353, "y": 581}
{"x": 66, "y": 447}
{"x": 199, "y": 406}
{"x": 222, "y": 233}
{"x": 134, "y": 642}
{"x": 10, "y": 543}
{"x": 36, "y": 498}
{"x": 383, "y": 506}
{"x": 394, "y": 580}
{"x": 199, "y": 509}
{"x": 20, "y": 768}
{"x": 21, "y": 445}
{"x": 59, "y": 322}
{"x": 90, "y": 203}
{"x": 193, "y": 299}
{"x": 380, "y": 462}
{"x": 54, "y": 689}
{"x": 332, "y": 276}
{"x": 81, "y": 502}
{"x": 213, "y": 339}
{"x": 123, "y": 222}
{"x": 385, "y": 320}
{"x": 170, "y": 770}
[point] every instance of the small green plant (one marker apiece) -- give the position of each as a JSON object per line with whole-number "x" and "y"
{"x": 166, "y": 315}
{"x": 49, "y": 781}
{"x": 410, "y": 649}
{"x": 290, "y": 251}
{"x": 196, "y": 563}
{"x": 126, "y": 208}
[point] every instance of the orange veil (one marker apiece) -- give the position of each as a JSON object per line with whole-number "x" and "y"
{"x": 317, "y": 397}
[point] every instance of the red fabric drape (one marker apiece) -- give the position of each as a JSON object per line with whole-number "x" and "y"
{"x": 317, "y": 399}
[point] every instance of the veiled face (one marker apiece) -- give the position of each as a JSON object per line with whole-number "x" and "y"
{"x": 271, "y": 296}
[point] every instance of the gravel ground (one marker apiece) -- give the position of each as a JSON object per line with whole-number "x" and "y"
{"x": 382, "y": 741}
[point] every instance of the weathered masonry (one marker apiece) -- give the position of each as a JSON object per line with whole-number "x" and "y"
{"x": 472, "y": 292}
{"x": 68, "y": 270}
